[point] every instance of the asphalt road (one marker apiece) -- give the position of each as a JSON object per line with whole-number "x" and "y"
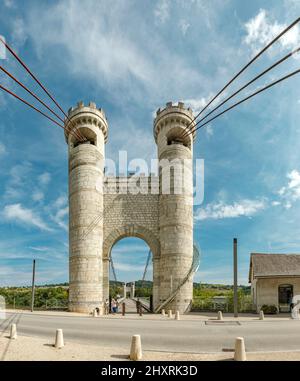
{"x": 161, "y": 334}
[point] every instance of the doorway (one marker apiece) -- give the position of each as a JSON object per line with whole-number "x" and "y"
{"x": 285, "y": 296}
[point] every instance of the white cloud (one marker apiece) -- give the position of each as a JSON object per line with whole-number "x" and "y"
{"x": 162, "y": 11}
{"x": 18, "y": 35}
{"x": 184, "y": 26}
{"x": 288, "y": 205}
{"x": 59, "y": 217}
{"x": 2, "y": 149}
{"x": 261, "y": 30}
{"x": 39, "y": 248}
{"x": 18, "y": 175}
{"x": 220, "y": 210}
{"x": 129, "y": 267}
{"x": 17, "y": 213}
{"x": 136, "y": 62}
{"x": 291, "y": 192}
{"x": 141, "y": 142}
{"x": 37, "y": 195}
{"x": 9, "y": 3}
{"x": 44, "y": 178}
{"x": 61, "y": 212}
{"x": 60, "y": 201}
{"x": 294, "y": 183}
{"x": 276, "y": 203}
{"x": 196, "y": 104}
{"x": 209, "y": 130}
{"x": 20, "y": 172}
{"x": 121, "y": 59}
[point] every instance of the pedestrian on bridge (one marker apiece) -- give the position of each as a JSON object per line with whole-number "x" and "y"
{"x": 114, "y": 306}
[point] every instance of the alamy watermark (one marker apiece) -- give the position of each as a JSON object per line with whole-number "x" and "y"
{"x": 166, "y": 176}
{"x": 2, "y": 48}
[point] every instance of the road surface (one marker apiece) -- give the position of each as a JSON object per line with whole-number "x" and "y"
{"x": 160, "y": 334}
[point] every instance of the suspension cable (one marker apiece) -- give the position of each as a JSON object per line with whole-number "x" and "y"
{"x": 30, "y": 105}
{"x": 36, "y": 79}
{"x": 243, "y": 87}
{"x": 244, "y": 68}
{"x": 113, "y": 268}
{"x": 248, "y": 97}
{"x": 146, "y": 267}
{"x": 37, "y": 98}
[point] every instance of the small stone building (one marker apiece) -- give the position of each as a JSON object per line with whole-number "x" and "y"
{"x": 275, "y": 279}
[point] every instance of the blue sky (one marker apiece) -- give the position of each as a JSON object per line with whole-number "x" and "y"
{"x": 131, "y": 57}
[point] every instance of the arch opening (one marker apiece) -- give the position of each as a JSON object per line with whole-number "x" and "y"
{"x": 130, "y": 273}
{"x": 176, "y": 136}
{"x": 87, "y": 133}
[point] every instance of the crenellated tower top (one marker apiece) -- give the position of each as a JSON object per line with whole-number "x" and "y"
{"x": 82, "y": 117}
{"x": 174, "y": 115}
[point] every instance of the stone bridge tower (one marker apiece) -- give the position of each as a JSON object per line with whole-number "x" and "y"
{"x": 86, "y": 166}
{"x": 175, "y": 155}
{"x": 102, "y": 211}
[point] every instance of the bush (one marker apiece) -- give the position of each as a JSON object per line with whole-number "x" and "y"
{"x": 269, "y": 309}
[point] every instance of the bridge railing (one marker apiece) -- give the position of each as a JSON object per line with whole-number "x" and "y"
{"x": 144, "y": 303}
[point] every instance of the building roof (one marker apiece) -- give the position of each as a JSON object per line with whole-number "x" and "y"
{"x": 268, "y": 265}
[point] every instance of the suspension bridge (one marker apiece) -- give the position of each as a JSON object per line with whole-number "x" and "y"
{"x": 72, "y": 122}
{"x": 131, "y": 300}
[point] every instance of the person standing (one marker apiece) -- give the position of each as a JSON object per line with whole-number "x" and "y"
{"x": 113, "y": 306}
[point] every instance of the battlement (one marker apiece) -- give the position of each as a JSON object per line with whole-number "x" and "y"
{"x": 131, "y": 184}
{"x": 84, "y": 115}
{"x": 170, "y": 107}
{"x": 173, "y": 113}
{"x": 81, "y": 107}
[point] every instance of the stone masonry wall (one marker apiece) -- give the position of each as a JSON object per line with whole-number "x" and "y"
{"x": 130, "y": 215}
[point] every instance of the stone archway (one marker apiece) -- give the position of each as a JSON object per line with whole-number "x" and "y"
{"x": 131, "y": 230}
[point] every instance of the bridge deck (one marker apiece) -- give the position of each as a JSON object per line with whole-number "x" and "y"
{"x": 130, "y": 305}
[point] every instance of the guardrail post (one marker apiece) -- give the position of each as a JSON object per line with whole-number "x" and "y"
{"x": 13, "y": 331}
{"x": 136, "y": 348}
{"x": 59, "y": 339}
{"x": 239, "y": 351}
{"x": 261, "y": 315}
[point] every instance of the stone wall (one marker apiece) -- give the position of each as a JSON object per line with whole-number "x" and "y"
{"x": 130, "y": 215}
{"x": 266, "y": 289}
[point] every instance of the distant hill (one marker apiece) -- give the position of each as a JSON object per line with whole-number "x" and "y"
{"x": 138, "y": 284}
